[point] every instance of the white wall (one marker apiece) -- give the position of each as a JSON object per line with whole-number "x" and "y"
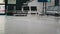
{"x": 40, "y": 5}
{"x": 11, "y": 1}
{"x": 1, "y": 1}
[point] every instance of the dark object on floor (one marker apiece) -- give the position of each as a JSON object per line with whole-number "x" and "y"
{"x": 56, "y": 14}
{"x": 20, "y": 15}
{"x": 10, "y": 13}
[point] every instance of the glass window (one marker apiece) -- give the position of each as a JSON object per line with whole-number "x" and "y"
{"x": 26, "y": 8}
{"x": 11, "y": 1}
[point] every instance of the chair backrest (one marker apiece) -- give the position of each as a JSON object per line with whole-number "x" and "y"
{"x": 26, "y": 8}
{"x": 33, "y": 8}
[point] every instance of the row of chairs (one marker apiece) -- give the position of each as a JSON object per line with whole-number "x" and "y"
{"x": 13, "y": 10}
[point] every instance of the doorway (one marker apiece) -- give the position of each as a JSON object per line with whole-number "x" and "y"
{"x": 56, "y": 2}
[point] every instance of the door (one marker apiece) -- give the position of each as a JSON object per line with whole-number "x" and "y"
{"x": 10, "y": 4}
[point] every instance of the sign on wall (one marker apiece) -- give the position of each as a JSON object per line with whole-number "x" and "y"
{"x": 49, "y": 0}
{"x": 44, "y": 0}
{"x": 11, "y": 1}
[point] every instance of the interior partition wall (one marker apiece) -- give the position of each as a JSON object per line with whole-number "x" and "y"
{"x": 2, "y": 6}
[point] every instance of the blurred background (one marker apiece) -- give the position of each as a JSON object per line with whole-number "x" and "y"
{"x": 29, "y": 17}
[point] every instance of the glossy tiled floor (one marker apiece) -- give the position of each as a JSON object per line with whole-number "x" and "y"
{"x": 31, "y": 24}
{"x": 2, "y": 24}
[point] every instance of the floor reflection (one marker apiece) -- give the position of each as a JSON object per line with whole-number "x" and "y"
{"x": 30, "y": 25}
